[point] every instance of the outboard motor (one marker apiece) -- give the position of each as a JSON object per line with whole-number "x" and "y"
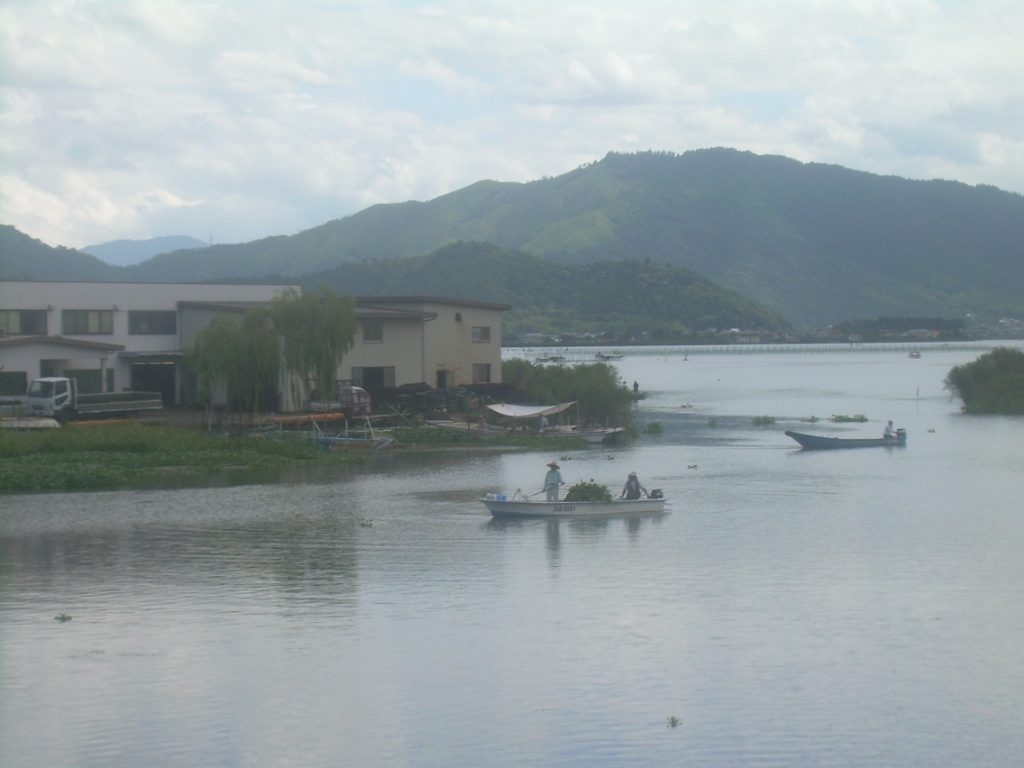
{"x": 656, "y": 494}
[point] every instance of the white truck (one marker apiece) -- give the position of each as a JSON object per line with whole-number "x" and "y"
{"x": 57, "y": 397}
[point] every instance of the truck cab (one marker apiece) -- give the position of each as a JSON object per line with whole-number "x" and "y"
{"x": 52, "y": 396}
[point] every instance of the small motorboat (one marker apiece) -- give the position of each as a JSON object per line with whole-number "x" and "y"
{"x": 522, "y": 506}
{"x": 915, "y": 355}
{"x": 605, "y": 358}
{"x": 822, "y": 443}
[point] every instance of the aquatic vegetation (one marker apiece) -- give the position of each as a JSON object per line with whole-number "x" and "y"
{"x": 712, "y": 423}
{"x": 78, "y": 458}
{"x": 591, "y": 491}
{"x": 838, "y": 418}
{"x": 654, "y": 428}
{"x": 763, "y": 421}
{"x": 62, "y": 617}
{"x": 673, "y": 722}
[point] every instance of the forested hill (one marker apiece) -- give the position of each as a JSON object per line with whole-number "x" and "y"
{"x": 23, "y": 257}
{"x": 622, "y": 297}
{"x": 817, "y": 243}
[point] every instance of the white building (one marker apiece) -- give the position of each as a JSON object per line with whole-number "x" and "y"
{"x": 113, "y": 337}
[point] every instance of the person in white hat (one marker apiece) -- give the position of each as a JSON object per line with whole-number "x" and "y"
{"x": 632, "y": 489}
{"x": 552, "y": 480}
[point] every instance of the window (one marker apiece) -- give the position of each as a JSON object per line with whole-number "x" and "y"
{"x": 374, "y": 378}
{"x": 373, "y": 330}
{"x": 481, "y": 333}
{"x": 84, "y": 322}
{"x": 481, "y": 373}
{"x": 23, "y": 322}
{"x": 13, "y": 382}
{"x": 146, "y": 323}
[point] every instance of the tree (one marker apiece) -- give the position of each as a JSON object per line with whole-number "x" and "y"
{"x": 316, "y": 328}
{"x": 994, "y": 383}
{"x": 306, "y": 335}
{"x": 242, "y": 356}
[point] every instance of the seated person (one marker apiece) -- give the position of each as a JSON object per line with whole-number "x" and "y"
{"x": 631, "y": 490}
{"x": 889, "y": 432}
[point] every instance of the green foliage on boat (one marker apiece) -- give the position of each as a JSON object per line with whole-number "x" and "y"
{"x": 591, "y": 491}
{"x": 994, "y": 383}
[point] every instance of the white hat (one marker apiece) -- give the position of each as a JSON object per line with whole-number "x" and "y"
{"x": 632, "y": 474}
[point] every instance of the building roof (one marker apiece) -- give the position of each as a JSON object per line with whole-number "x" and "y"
{"x": 370, "y": 300}
{"x": 61, "y": 341}
{"x": 362, "y": 313}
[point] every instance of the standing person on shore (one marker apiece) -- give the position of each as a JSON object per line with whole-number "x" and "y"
{"x": 552, "y": 480}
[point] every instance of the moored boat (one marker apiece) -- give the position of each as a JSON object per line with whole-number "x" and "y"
{"x": 520, "y": 506}
{"x": 822, "y": 443}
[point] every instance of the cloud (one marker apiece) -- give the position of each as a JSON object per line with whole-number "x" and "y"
{"x": 123, "y": 118}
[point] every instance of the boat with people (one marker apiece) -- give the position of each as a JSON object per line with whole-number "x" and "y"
{"x": 823, "y": 443}
{"x": 519, "y": 505}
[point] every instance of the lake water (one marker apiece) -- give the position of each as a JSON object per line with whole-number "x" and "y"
{"x": 854, "y": 608}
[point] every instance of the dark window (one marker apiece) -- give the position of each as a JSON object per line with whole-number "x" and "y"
{"x": 13, "y": 382}
{"x": 374, "y": 378}
{"x": 481, "y": 333}
{"x": 87, "y": 322}
{"x": 481, "y": 373}
{"x": 143, "y": 323}
{"x": 89, "y": 380}
{"x": 442, "y": 379}
{"x": 23, "y": 322}
{"x": 373, "y": 330}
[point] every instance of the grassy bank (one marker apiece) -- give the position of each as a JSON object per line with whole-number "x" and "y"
{"x": 107, "y": 457}
{"x": 84, "y": 457}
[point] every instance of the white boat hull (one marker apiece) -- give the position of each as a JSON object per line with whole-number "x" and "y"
{"x": 527, "y": 508}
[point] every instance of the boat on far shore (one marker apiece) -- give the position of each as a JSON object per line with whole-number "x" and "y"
{"x": 822, "y": 443}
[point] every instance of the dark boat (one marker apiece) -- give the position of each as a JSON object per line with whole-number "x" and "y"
{"x": 821, "y": 443}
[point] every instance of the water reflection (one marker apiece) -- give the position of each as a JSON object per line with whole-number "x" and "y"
{"x": 853, "y": 607}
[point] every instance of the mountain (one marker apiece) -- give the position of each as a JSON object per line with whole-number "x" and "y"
{"x": 817, "y": 243}
{"x": 25, "y": 258}
{"x": 621, "y": 297}
{"x": 126, "y": 252}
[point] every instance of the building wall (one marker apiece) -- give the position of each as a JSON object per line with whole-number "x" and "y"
{"x": 119, "y": 299}
{"x": 402, "y": 347}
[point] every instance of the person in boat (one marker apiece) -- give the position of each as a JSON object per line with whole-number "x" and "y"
{"x": 632, "y": 489}
{"x": 543, "y": 422}
{"x": 552, "y": 480}
{"x": 889, "y": 433}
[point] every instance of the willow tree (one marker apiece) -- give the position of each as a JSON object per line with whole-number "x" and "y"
{"x": 242, "y": 356}
{"x": 316, "y": 329}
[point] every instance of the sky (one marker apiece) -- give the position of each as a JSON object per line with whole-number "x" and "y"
{"x": 232, "y": 121}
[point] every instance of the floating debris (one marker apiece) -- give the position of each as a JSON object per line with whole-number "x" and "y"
{"x": 673, "y": 722}
{"x": 366, "y": 523}
{"x": 691, "y": 466}
{"x": 62, "y": 617}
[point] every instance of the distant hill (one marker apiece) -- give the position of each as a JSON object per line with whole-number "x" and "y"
{"x": 622, "y": 297}
{"x": 124, "y": 253}
{"x": 817, "y": 243}
{"x": 25, "y": 258}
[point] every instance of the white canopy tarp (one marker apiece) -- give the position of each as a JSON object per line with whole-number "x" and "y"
{"x": 529, "y": 411}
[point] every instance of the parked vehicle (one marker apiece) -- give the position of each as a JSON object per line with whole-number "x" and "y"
{"x": 57, "y": 397}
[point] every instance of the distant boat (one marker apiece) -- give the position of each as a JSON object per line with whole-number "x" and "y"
{"x": 605, "y": 358}
{"x": 822, "y": 443}
{"x": 915, "y": 355}
{"x": 552, "y": 359}
{"x": 521, "y": 506}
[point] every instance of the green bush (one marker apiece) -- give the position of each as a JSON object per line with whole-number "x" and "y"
{"x": 654, "y": 428}
{"x": 588, "y": 492}
{"x": 838, "y": 418}
{"x": 994, "y": 383}
{"x": 595, "y": 386}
